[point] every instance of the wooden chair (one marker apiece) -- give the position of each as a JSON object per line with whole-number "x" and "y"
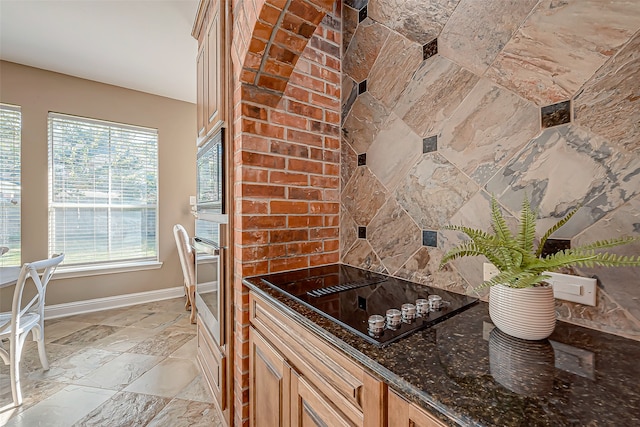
{"x": 188, "y": 263}
{"x": 25, "y": 318}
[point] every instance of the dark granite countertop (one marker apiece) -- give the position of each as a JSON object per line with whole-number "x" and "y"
{"x": 473, "y": 374}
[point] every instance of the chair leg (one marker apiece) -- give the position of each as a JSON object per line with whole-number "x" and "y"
{"x": 14, "y": 372}
{"x": 192, "y": 301}
{"x": 187, "y": 304}
{"x": 39, "y": 336}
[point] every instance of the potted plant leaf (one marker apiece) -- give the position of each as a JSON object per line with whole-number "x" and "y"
{"x": 521, "y": 302}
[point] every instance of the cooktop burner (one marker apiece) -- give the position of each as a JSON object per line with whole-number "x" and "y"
{"x": 351, "y": 296}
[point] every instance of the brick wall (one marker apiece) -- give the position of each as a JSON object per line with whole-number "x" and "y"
{"x": 286, "y": 153}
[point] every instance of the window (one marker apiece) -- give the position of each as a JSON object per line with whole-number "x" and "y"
{"x": 103, "y": 191}
{"x": 10, "y": 127}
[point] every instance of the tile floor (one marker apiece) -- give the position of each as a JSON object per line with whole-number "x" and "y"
{"x": 132, "y": 366}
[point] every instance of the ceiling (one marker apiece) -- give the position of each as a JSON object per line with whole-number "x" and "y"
{"x": 144, "y": 45}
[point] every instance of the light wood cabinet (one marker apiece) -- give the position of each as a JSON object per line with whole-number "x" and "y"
{"x": 279, "y": 396}
{"x": 404, "y": 414}
{"x": 201, "y": 62}
{"x": 209, "y": 30}
{"x": 214, "y": 71}
{"x": 213, "y": 364}
{"x": 269, "y": 379}
{"x": 299, "y": 380}
{"x": 309, "y": 381}
{"x": 215, "y": 341}
{"x": 310, "y": 408}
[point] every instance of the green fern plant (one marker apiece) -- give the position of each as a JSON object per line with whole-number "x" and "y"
{"x": 521, "y": 265}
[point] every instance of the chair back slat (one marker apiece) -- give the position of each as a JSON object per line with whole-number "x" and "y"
{"x": 40, "y": 280}
{"x": 186, "y": 254}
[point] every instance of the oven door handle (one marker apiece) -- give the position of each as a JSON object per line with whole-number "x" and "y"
{"x": 208, "y": 246}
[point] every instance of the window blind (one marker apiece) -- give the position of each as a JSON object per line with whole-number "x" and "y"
{"x": 103, "y": 190}
{"x": 10, "y": 189}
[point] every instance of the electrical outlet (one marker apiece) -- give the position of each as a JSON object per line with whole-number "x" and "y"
{"x": 192, "y": 200}
{"x": 488, "y": 271}
{"x": 573, "y": 288}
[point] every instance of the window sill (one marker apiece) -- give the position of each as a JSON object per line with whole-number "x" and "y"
{"x": 99, "y": 269}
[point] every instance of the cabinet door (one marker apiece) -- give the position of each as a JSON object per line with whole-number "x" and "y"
{"x": 213, "y": 363}
{"x": 404, "y": 414}
{"x": 214, "y": 70}
{"x": 269, "y": 378}
{"x": 310, "y": 408}
{"x": 201, "y": 63}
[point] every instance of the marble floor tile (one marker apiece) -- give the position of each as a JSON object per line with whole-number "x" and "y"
{"x": 87, "y": 335}
{"x": 124, "y": 410}
{"x": 75, "y": 366}
{"x": 185, "y": 413}
{"x": 65, "y": 395}
{"x": 159, "y": 320}
{"x": 120, "y": 372}
{"x": 32, "y": 393}
{"x": 31, "y": 359}
{"x": 7, "y": 412}
{"x": 127, "y": 318}
{"x": 166, "y": 379}
{"x": 124, "y": 339}
{"x": 96, "y": 317}
{"x": 182, "y": 324}
{"x": 197, "y": 390}
{"x": 188, "y": 350}
{"x": 62, "y": 328}
{"x": 161, "y": 344}
{"x": 63, "y": 408}
{"x": 173, "y": 305}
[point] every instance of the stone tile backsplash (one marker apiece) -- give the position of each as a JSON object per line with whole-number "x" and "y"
{"x": 465, "y": 99}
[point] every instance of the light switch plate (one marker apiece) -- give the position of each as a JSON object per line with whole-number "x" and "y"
{"x": 573, "y": 288}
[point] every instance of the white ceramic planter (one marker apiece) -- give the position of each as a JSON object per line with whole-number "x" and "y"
{"x": 527, "y": 313}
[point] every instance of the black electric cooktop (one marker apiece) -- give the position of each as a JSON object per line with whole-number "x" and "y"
{"x": 349, "y": 295}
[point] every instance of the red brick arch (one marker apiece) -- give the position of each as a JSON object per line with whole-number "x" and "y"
{"x": 272, "y": 38}
{"x": 286, "y": 149}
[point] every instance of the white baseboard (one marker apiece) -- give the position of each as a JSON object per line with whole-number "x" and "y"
{"x": 98, "y": 304}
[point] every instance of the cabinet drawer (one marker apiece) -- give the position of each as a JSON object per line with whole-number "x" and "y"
{"x": 213, "y": 364}
{"x": 310, "y": 408}
{"x": 344, "y": 383}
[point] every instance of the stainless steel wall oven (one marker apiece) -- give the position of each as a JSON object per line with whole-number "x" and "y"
{"x": 209, "y": 284}
{"x": 210, "y": 236}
